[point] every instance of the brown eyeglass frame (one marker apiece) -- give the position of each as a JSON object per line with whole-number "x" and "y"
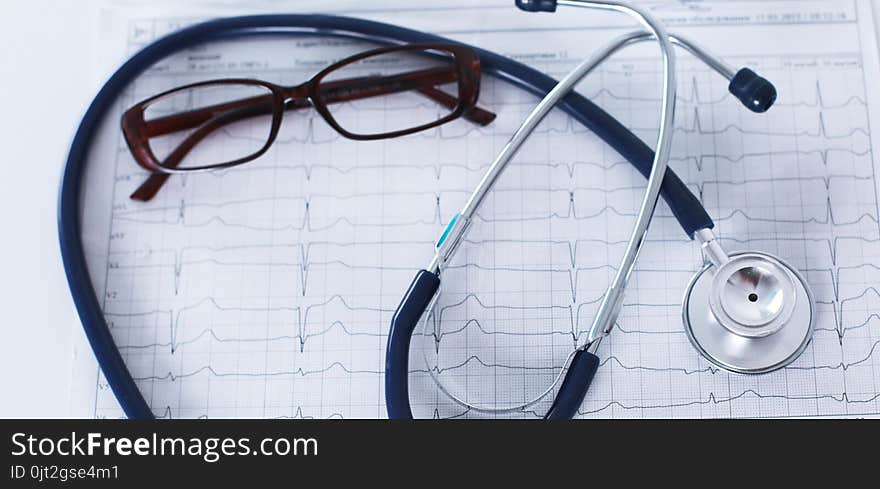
{"x": 313, "y": 93}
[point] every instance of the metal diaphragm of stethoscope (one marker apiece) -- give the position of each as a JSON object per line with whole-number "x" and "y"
{"x": 747, "y": 312}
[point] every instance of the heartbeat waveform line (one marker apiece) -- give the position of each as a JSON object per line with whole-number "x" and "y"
{"x": 183, "y": 207}
{"x": 825, "y": 216}
{"x": 840, "y": 330}
{"x": 832, "y": 243}
{"x": 438, "y": 333}
{"x": 304, "y": 250}
{"x": 476, "y": 361}
{"x": 608, "y": 361}
{"x": 305, "y": 264}
{"x": 696, "y": 126}
{"x": 864, "y": 294}
{"x": 437, "y": 169}
{"x": 575, "y": 312}
{"x": 437, "y": 318}
{"x": 211, "y": 334}
{"x": 298, "y": 414}
{"x": 166, "y": 412}
{"x": 301, "y": 314}
{"x": 823, "y": 154}
{"x": 712, "y": 399}
{"x": 571, "y": 247}
{"x": 302, "y": 268}
{"x": 824, "y": 179}
{"x": 834, "y": 272}
{"x": 693, "y": 96}
{"x": 300, "y": 372}
{"x": 572, "y": 274}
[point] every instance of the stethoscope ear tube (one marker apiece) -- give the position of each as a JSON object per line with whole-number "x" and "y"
{"x": 414, "y": 304}
{"x": 574, "y": 386}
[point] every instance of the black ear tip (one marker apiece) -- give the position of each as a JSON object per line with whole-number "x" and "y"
{"x": 764, "y": 97}
{"x": 754, "y": 91}
{"x": 536, "y": 5}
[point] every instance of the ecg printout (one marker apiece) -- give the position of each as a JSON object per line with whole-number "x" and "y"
{"x": 267, "y": 290}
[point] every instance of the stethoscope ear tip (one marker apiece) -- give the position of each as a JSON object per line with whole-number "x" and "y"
{"x": 753, "y": 90}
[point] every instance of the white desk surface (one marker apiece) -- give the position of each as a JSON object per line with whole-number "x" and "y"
{"x": 46, "y": 63}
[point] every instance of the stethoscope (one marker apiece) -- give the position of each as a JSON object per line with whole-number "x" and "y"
{"x": 746, "y": 313}
{"x": 740, "y": 335}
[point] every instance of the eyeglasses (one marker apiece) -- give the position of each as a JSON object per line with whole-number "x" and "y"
{"x": 185, "y": 129}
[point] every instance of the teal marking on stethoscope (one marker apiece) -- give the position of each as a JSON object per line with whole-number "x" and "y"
{"x": 446, "y": 231}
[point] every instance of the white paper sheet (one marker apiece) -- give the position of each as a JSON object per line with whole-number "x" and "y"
{"x": 267, "y": 291}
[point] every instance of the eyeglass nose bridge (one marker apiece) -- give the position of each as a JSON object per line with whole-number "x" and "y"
{"x": 297, "y": 96}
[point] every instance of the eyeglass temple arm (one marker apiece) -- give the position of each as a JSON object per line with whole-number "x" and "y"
{"x": 423, "y": 81}
{"x": 475, "y": 114}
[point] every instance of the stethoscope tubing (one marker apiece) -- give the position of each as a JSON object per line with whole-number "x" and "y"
{"x": 685, "y": 206}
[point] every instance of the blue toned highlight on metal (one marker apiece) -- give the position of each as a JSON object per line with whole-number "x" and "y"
{"x": 446, "y": 231}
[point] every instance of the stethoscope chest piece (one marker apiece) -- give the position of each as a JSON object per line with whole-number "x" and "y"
{"x": 752, "y": 314}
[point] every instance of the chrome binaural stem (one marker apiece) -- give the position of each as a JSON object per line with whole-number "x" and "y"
{"x": 710, "y": 245}
{"x": 612, "y": 300}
